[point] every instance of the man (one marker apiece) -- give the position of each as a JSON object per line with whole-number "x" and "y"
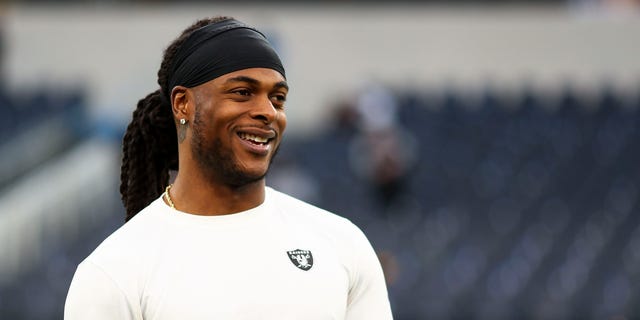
{"x": 218, "y": 243}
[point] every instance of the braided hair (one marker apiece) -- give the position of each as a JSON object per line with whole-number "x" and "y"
{"x": 150, "y": 145}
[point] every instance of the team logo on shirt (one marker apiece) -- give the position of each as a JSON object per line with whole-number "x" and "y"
{"x": 303, "y": 259}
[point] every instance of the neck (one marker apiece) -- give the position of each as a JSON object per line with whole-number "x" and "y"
{"x": 200, "y": 197}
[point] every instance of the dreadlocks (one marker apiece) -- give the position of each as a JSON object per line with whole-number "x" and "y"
{"x": 150, "y": 145}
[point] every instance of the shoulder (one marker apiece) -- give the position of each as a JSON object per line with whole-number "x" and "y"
{"x": 132, "y": 242}
{"x": 312, "y": 218}
{"x": 301, "y": 210}
{"x": 118, "y": 265}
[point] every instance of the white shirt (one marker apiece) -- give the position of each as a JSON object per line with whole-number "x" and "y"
{"x": 284, "y": 259}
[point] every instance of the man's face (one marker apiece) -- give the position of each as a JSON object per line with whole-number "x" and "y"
{"x": 238, "y": 125}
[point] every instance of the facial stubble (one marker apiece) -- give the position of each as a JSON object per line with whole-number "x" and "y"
{"x": 218, "y": 163}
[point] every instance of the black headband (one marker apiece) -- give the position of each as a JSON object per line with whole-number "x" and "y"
{"x": 218, "y": 49}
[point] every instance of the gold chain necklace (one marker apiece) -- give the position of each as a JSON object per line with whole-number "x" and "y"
{"x": 168, "y": 197}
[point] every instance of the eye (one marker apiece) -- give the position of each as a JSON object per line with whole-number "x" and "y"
{"x": 279, "y": 97}
{"x": 278, "y": 100}
{"x": 242, "y": 92}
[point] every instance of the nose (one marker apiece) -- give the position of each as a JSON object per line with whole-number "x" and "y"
{"x": 264, "y": 110}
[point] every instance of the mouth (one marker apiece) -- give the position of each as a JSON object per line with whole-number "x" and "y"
{"x": 254, "y": 139}
{"x": 257, "y": 141}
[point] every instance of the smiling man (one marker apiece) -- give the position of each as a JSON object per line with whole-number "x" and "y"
{"x": 217, "y": 243}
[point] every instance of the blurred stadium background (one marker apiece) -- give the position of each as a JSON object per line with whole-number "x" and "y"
{"x": 488, "y": 148}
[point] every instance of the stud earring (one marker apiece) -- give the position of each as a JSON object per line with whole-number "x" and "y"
{"x": 183, "y": 121}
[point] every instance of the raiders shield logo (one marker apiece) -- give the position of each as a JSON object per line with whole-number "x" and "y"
{"x": 301, "y": 258}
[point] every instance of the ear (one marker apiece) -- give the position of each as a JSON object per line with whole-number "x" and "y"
{"x": 182, "y": 103}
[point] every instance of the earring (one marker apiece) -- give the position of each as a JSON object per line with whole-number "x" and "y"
{"x": 183, "y": 121}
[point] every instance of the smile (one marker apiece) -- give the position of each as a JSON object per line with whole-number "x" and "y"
{"x": 253, "y": 138}
{"x": 257, "y": 142}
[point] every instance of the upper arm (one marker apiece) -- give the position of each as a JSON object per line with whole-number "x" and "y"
{"x": 368, "y": 297}
{"x": 95, "y": 295}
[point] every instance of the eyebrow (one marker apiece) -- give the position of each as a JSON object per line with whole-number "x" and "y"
{"x": 281, "y": 84}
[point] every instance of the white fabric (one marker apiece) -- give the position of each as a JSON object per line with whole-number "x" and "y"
{"x": 165, "y": 264}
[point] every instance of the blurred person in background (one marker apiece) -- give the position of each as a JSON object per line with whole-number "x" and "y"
{"x": 218, "y": 243}
{"x": 383, "y": 152}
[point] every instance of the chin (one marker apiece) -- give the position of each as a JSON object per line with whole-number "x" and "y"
{"x": 255, "y": 173}
{"x": 239, "y": 175}
{"x": 239, "y": 181}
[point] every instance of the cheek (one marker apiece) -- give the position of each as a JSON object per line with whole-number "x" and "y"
{"x": 220, "y": 122}
{"x": 282, "y": 121}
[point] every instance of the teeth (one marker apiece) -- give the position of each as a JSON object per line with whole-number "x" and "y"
{"x": 253, "y": 138}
